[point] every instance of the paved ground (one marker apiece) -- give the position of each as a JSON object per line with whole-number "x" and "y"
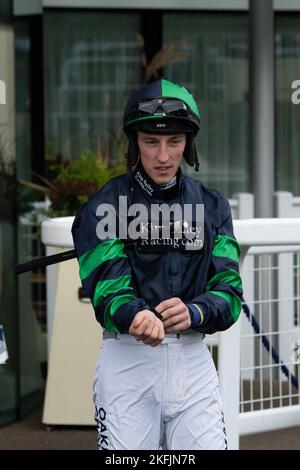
{"x": 30, "y": 433}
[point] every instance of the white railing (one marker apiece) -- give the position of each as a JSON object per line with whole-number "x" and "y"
{"x": 255, "y": 236}
{"x": 269, "y": 375}
{"x": 286, "y": 205}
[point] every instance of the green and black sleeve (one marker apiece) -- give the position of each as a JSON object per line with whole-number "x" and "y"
{"x": 219, "y": 306}
{"x": 105, "y": 272}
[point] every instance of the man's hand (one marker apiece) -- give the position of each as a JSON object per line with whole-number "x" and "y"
{"x": 176, "y": 315}
{"x": 148, "y": 328}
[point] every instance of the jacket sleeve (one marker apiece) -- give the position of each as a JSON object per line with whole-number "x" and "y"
{"x": 219, "y": 306}
{"x": 105, "y": 273}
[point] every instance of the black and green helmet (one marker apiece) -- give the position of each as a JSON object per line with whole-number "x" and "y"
{"x": 162, "y": 107}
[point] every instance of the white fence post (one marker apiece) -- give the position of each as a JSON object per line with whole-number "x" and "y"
{"x": 286, "y": 206}
{"x": 229, "y": 374}
{"x": 242, "y": 207}
{"x": 245, "y": 210}
{"x": 245, "y": 205}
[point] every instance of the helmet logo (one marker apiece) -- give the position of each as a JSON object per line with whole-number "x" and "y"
{"x": 160, "y": 124}
{"x": 159, "y": 110}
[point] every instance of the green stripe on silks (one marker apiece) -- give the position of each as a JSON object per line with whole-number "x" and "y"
{"x": 105, "y": 251}
{"x": 229, "y": 277}
{"x": 112, "y": 307}
{"x": 226, "y": 247}
{"x": 233, "y": 302}
{"x": 111, "y": 286}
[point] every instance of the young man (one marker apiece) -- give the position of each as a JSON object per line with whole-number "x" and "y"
{"x": 158, "y": 257}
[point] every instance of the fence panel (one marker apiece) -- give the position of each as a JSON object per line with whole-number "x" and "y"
{"x": 275, "y": 369}
{"x": 263, "y": 240}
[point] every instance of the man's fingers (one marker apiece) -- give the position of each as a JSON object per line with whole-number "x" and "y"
{"x": 143, "y": 331}
{"x": 140, "y": 322}
{"x": 182, "y": 326}
{"x": 175, "y": 320}
{"x": 145, "y": 327}
{"x": 173, "y": 311}
{"x": 148, "y": 328}
{"x": 157, "y": 336}
{"x": 140, "y": 318}
{"x": 167, "y": 304}
{"x": 153, "y": 337}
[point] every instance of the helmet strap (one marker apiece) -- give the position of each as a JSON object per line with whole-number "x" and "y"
{"x": 190, "y": 152}
{"x": 196, "y": 157}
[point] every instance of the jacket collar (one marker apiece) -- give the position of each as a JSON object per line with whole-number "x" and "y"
{"x": 153, "y": 190}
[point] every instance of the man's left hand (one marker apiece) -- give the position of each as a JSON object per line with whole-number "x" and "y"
{"x": 176, "y": 315}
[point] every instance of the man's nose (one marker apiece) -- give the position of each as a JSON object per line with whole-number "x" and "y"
{"x": 162, "y": 154}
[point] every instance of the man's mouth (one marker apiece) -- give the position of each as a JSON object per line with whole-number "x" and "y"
{"x": 162, "y": 168}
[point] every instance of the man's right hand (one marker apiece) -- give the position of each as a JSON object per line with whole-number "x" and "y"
{"x": 147, "y": 327}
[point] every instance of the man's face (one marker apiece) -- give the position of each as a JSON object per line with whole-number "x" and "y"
{"x": 161, "y": 155}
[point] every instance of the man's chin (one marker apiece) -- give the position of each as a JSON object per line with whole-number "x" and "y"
{"x": 163, "y": 179}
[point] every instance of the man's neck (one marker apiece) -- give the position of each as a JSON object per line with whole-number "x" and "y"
{"x": 148, "y": 186}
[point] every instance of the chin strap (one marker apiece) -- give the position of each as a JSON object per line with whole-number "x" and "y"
{"x": 196, "y": 158}
{"x": 190, "y": 152}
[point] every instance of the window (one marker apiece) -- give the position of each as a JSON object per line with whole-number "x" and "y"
{"x": 214, "y": 67}
{"x": 93, "y": 60}
{"x": 287, "y": 114}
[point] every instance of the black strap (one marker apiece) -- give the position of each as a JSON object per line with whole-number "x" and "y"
{"x": 45, "y": 261}
{"x": 158, "y": 315}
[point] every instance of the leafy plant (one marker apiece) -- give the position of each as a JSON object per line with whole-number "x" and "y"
{"x": 75, "y": 182}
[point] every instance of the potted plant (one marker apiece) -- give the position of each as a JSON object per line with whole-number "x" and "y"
{"x": 69, "y": 184}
